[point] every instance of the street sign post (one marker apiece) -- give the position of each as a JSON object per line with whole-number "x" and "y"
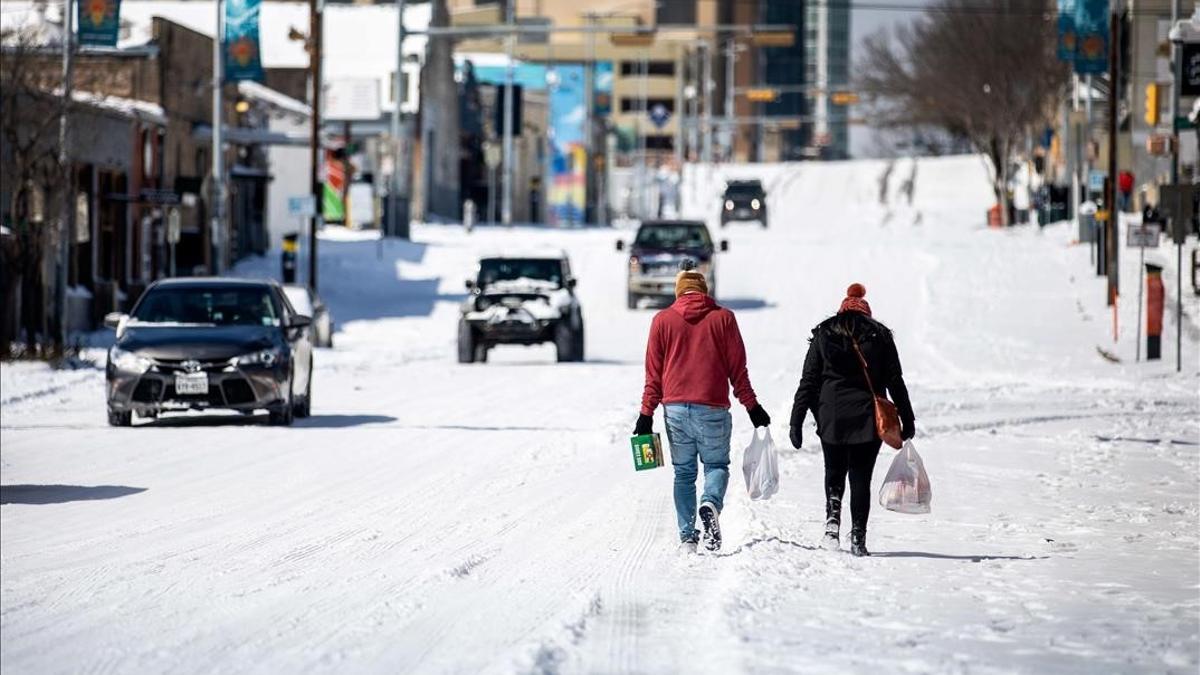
{"x": 174, "y": 232}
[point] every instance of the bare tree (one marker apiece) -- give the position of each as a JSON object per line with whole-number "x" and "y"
{"x": 983, "y": 70}
{"x": 31, "y": 175}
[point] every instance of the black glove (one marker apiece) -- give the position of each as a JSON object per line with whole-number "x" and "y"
{"x": 759, "y": 417}
{"x": 797, "y": 437}
{"x": 908, "y": 430}
{"x": 645, "y": 425}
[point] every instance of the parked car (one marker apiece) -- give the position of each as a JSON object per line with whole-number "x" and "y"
{"x": 306, "y": 302}
{"x": 657, "y": 253}
{"x": 522, "y": 300}
{"x": 744, "y": 200}
{"x": 192, "y": 344}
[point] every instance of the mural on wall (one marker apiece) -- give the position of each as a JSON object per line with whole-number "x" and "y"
{"x": 568, "y": 160}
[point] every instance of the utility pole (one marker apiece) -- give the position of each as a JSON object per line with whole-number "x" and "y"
{"x": 506, "y": 177}
{"x": 397, "y": 226}
{"x": 1176, "y": 72}
{"x": 316, "y": 10}
{"x": 706, "y": 116}
{"x": 216, "y": 234}
{"x": 730, "y": 78}
{"x": 1110, "y": 201}
{"x": 64, "y": 163}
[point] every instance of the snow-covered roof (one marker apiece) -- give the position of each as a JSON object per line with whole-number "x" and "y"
{"x": 279, "y": 100}
{"x": 142, "y": 110}
{"x": 544, "y": 253}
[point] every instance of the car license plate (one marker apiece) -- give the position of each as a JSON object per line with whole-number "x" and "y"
{"x": 192, "y": 383}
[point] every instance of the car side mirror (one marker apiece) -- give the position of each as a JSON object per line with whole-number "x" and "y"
{"x": 571, "y": 283}
{"x": 113, "y": 320}
{"x": 724, "y": 245}
{"x": 620, "y": 245}
{"x": 299, "y": 321}
{"x": 470, "y": 285}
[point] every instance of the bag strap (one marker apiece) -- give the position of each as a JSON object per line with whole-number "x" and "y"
{"x": 862, "y": 361}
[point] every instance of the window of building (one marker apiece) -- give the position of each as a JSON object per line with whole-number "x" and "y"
{"x": 652, "y": 68}
{"x": 676, "y": 12}
{"x": 634, "y": 104}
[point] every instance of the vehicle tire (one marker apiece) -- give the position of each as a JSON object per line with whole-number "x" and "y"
{"x": 285, "y": 413}
{"x": 481, "y": 353}
{"x": 466, "y": 343}
{"x": 119, "y": 419}
{"x": 633, "y": 301}
{"x": 579, "y": 341}
{"x": 564, "y": 342}
{"x": 304, "y": 407}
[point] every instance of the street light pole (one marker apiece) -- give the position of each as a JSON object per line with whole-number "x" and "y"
{"x": 64, "y": 164}
{"x": 706, "y": 116}
{"x": 396, "y": 228}
{"x": 218, "y": 159}
{"x": 730, "y": 78}
{"x": 506, "y": 178}
{"x": 316, "y": 9}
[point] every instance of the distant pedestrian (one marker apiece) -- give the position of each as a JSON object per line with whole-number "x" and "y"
{"x": 693, "y": 355}
{"x": 834, "y": 385}
{"x": 1124, "y": 190}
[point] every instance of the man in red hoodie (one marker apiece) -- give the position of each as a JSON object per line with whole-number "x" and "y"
{"x": 694, "y": 353}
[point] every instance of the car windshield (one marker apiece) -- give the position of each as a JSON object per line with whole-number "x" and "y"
{"x": 680, "y": 236}
{"x": 211, "y": 305}
{"x": 743, "y": 190}
{"x": 543, "y": 270}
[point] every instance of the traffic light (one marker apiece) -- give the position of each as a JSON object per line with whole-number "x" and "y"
{"x": 762, "y": 95}
{"x": 1151, "y": 114}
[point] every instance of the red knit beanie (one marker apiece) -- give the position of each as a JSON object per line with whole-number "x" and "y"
{"x": 855, "y": 300}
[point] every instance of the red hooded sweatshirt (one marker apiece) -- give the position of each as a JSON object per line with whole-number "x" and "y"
{"x": 694, "y": 353}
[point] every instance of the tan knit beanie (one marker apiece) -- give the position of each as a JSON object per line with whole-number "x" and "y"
{"x": 689, "y": 281}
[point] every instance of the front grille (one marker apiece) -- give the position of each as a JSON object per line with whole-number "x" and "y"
{"x": 237, "y": 391}
{"x": 148, "y": 391}
{"x": 176, "y": 365}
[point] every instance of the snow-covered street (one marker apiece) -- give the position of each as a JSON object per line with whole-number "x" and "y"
{"x": 435, "y": 517}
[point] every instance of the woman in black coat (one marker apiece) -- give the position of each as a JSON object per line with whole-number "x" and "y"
{"x": 835, "y": 388}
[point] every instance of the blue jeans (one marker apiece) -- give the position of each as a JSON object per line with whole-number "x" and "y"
{"x": 698, "y": 431}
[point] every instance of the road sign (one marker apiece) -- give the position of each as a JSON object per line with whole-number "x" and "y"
{"x": 491, "y": 155}
{"x": 1179, "y": 203}
{"x": 1144, "y": 236}
{"x": 174, "y": 225}
{"x": 659, "y": 115}
{"x": 1096, "y": 180}
{"x": 301, "y": 206}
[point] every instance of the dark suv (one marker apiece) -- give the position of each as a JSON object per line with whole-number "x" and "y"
{"x": 744, "y": 200}
{"x": 658, "y": 252}
{"x": 521, "y": 300}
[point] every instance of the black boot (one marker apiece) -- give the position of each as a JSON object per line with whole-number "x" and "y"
{"x": 858, "y": 542}
{"x": 833, "y": 524}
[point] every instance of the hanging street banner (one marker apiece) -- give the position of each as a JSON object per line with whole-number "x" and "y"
{"x": 242, "y": 58}
{"x": 99, "y": 22}
{"x": 1091, "y": 37}
{"x": 1066, "y": 31}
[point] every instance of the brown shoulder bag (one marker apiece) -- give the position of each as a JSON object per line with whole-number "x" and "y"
{"x": 887, "y": 418}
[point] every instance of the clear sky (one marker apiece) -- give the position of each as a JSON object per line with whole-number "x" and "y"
{"x": 864, "y": 22}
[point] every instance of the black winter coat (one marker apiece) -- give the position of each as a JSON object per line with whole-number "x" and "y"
{"x": 834, "y": 388}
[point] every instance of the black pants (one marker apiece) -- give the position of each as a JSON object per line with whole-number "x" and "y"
{"x": 859, "y": 461}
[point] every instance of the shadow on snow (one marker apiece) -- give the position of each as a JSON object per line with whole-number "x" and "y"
{"x": 61, "y": 494}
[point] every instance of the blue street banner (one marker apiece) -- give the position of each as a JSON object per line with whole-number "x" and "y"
{"x": 1091, "y": 41}
{"x": 242, "y": 58}
{"x": 99, "y": 22}
{"x": 1066, "y": 31}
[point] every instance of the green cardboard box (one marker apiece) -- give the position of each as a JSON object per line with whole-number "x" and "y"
{"x": 647, "y": 451}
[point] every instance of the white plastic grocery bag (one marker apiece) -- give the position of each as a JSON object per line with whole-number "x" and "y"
{"x": 760, "y": 465}
{"x": 906, "y": 488}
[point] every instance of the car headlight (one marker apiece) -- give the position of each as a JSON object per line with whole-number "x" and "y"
{"x": 704, "y": 268}
{"x": 265, "y": 358}
{"x": 634, "y": 263}
{"x": 129, "y": 361}
{"x": 754, "y": 204}
{"x": 728, "y": 204}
